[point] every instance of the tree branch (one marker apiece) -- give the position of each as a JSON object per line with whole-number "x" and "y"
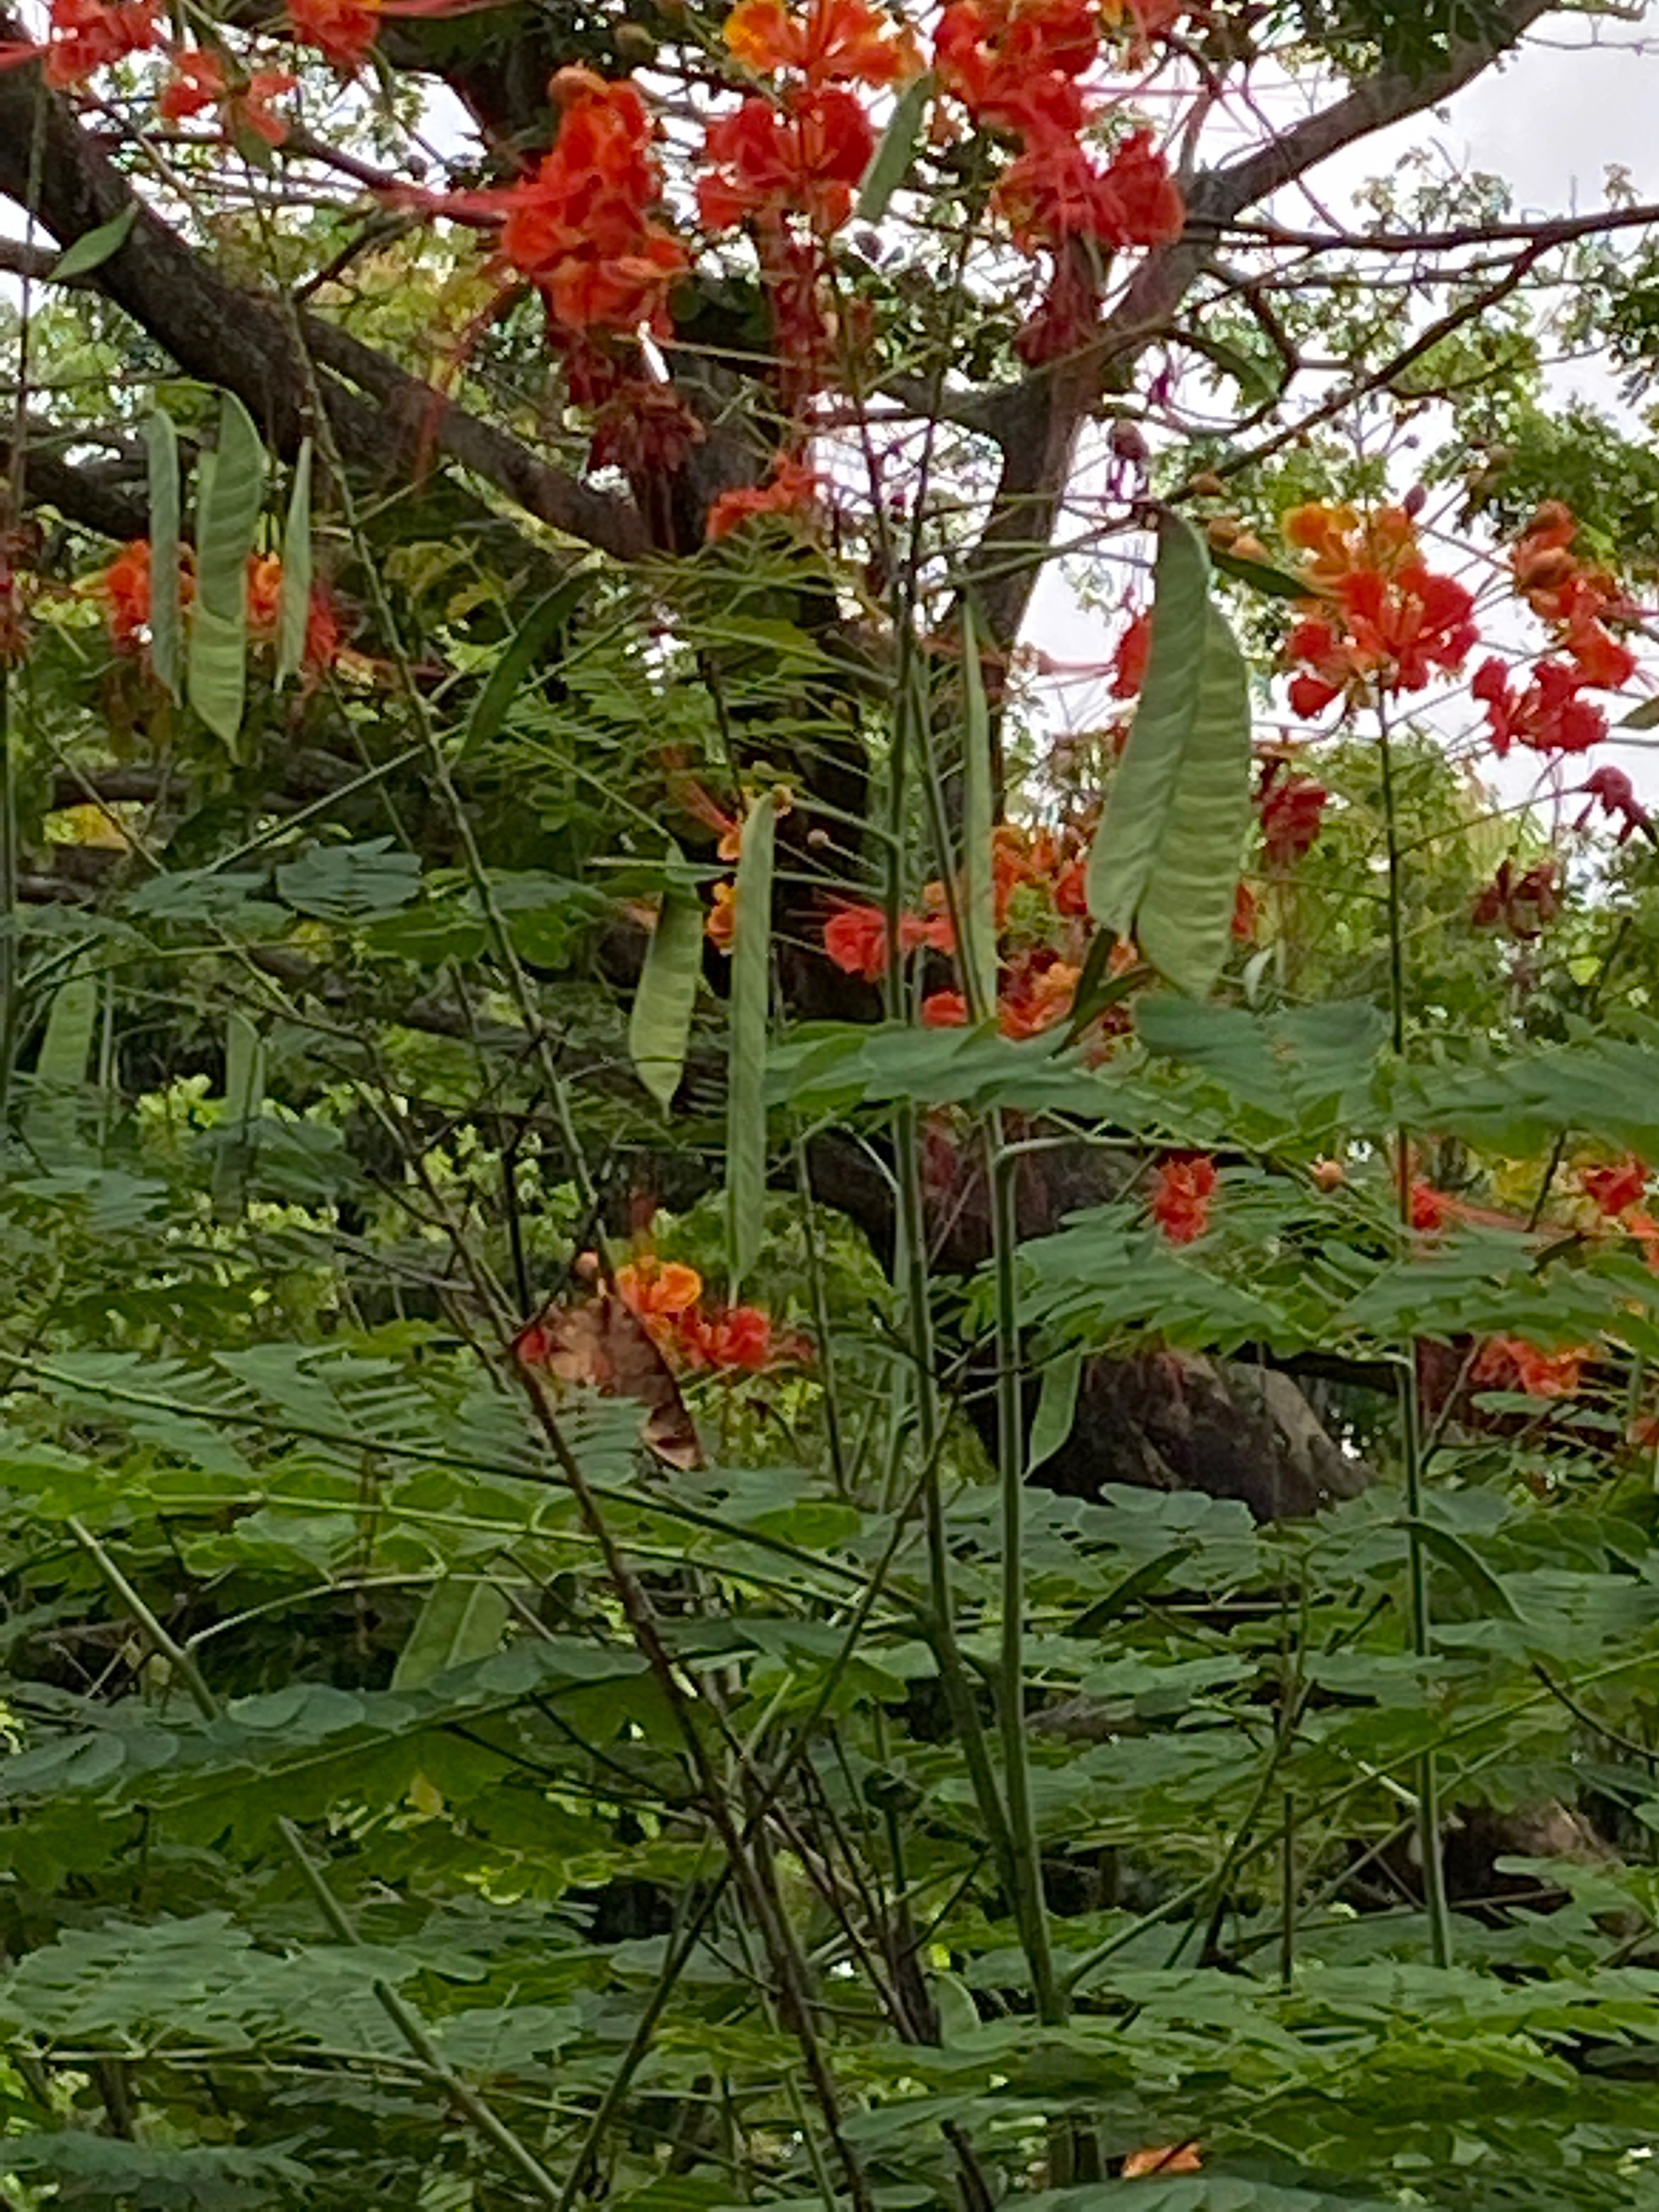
{"x": 1039, "y": 420}
{"x": 231, "y": 339}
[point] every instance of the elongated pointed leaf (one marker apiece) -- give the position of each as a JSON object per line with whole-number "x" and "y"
{"x": 529, "y": 642}
{"x": 230, "y": 491}
{"x": 1164, "y": 865}
{"x": 245, "y": 1091}
{"x": 751, "y": 972}
{"x": 660, "y": 1024}
{"x": 979, "y": 952}
{"x": 60, "y": 1068}
{"x": 166, "y": 637}
{"x": 293, "y": 609}
{"x": 459, "y": 1622}
{"x": 94, "y": 247}
{"x": 1056, "y": 1408}
{"x": 890, "y": 162}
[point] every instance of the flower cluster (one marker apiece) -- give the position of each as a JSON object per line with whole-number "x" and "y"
{"x": 1041, "y": 913}
{"x": 342, "y": 31}
{"x": 1380, "y": 619}
{"x": 124, "y": 587}
{"x": 790, "y": 493}
{"x": 198, "y": 81}
{"x": 1522, "y": 901}
{"x": 86, "y": 35}
{"x": 666, "y": 1297}
{"x": 1510, "y": 1363}
{"x": 1182, "y": 1188}
{"x": 1291, "y": 808}
{"x": 583, "y": 228}
{"x": 1016, "y": 66}
{"x": 1549, "y": 714}
{"x": 787, "y": 162}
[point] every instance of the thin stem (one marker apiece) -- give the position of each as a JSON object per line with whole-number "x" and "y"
{"x": 1409, "y": 1398}
{"x": 1029, "y": 1899}
{"x": 408, "y": 2025}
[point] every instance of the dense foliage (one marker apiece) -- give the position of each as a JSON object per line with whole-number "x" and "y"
{"x": 794, "y": 1410}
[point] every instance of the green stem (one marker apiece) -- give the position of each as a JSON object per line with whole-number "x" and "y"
{"x": 1410, "y": 1420}
{"x": 408, "y": 2025}
{"x": 1029, "y": 1898}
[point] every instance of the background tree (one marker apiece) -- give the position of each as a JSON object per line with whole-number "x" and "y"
{"x": 522, "y": 782}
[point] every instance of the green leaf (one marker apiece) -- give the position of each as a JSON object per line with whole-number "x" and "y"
{"x": 1644, "y": 717}
{"x": 1165, "y": 863}
{"x": 94, "y": 247}
{"x": 165, "y": 634}
{"x": 1276, "y": 583}
{"x": 461, "y": 1621}
{"x": 293, "y": 609}
{"x": 660, "y": 1024}
{"x": 978, "y": 806}
{"x": 890, "y": 162}
{"x": 60, "y": 1069}
{"x": 350, "y": 883}
{"x": 229, "y": 494}
{"x": 529, "y": 642}
{"x": 1447, "y": 1544}
{"x": 245, "y": 1091}
{"x": 1056, "y": 1408}
{"x": 751, "y": 976}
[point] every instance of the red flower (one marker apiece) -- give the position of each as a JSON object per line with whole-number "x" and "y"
{"x": 198, "y": 83}
{"x": 826, "y": 41}
{"x": 1431, "y": 1209}
{"x": 1181, "y": 1191}
{"x": 804, "y": 155}
{"x": 1038, "y": 995}
{"x": 1611, "y": 790}
{"x": 582, "y": 228}
{"x": 1395, "y": 622}
{"x": 1129, "y": 661}
{"x": 1014, "y": 63}
{"x": 791, "y": 493}
{"x": 856, "y": 938}
{"x": 1549, "y": 716}
{"x": 124, "y": 589}
{"x": 1613, "y": 1189}
{"x": 264, "y": 603}
{"x": 1291, "y": 811}
{"x": 89, "y": 34}
{"x": 1055, "y": 192}
{"x": 1524, "y": 904}
{"x": 1244, "y": 914}
{"x": 944, "y": 1010}
{"x": 342, "y": 31}
{"x": 1508, "y": 1363}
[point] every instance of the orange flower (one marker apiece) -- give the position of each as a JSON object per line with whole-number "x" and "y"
{"x": 125, "y": 588}
{"x": 943, "y": 1009}
{"x": 652, "y": 1288}
{"x": 1614, "y": 1190}
{"x": 264, "y": 608}
{"x": 722, "y": 922}
{"x": 1037, "y": 997}
{"x": 1394, "y": 622}
{"x": 1431, "y": 1209}
{"x": 342, "y": 31}
{"x": 1510, "y": 1363}
{"x": 792, "y": 493}
{"x": 805, "y": 153}
{"x": 856, "y": 938}
{"x": 825, "y": 41}
{"x": 198, "y": 83}
{"x": 89, "y": 34}
{"x": 1181, "y": 1191}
